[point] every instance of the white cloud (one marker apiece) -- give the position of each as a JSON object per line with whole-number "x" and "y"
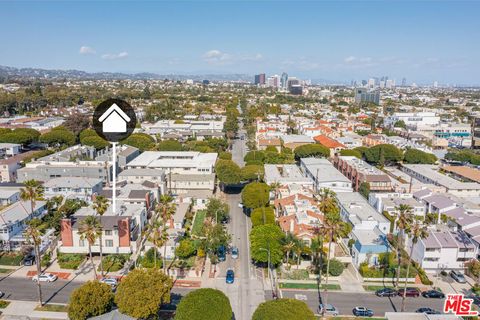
{"x": 350, "y": 59}
{"x": 256, "y": 57}
{"x": 115, "y": 56}
{"x": 87, "y": 50}
{"x": 216, "y": 57}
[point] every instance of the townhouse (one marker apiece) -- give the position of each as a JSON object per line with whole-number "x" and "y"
{"x": 324, "y": 175}
{"x": 73, "y": 188}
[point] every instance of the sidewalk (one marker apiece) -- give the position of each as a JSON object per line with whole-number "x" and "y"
{"x": 26, "y": 310}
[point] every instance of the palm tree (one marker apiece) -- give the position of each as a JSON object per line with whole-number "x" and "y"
{"x": 33, "y": 235}
{"x": 33, "y": 191}
{"x": 100, "y": 205}
{"x": 166, "y": 208}
{"x": 299, "y": 250}
{"x": 289, "y": 244}
{"x": 327, "y": 200}
{"x": 275, "y": 186}
{"x": 90, "y": 229}
{"x": 403, "y": 221}
{"x": 154, "y": 235}
{"x": 333, "y": 228}
{"x": 417, "y": 231}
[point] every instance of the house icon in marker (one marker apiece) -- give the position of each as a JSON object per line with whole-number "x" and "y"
{"x": 114, "y": 120}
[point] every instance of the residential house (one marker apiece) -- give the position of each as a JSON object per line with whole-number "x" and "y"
{"x": 285, "y": 174}
{"x": 330, "y": 143}
{"x": 324, "y": 175}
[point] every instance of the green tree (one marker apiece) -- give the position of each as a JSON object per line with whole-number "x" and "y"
{"x": 283, "y": 309}
{"x": 404, "y": 220}
{"x": 383, "y": 153}
{"x": 141, "y": 293}
{"x": 156, "y": 235}
{"x": 416, "y": 231}
{"x": 260, "y": 216}
{"x": 311, "y": 150}
{"x": 336, "y": 268}
{"x": 255, "y": 195}
{"x": 400, "y": 124}
{"x": 23, "y": 136}
{"x": 364, "y": 189}
{"x": 58, "y": 137}
{"x": 289, "y": 242}
{"x": 87, "y": 133}
{"x": 95, "y": 141}
{"x": 77, "y": 123}
{"x": 100, "y": 205}
{"x": 169, "y": 145}
{"x": 204, "y": 304}
{"x": 264, "y": 239}
{"x": 185, "y": 249}
{"x": 224, "y": 155}
{"x": 90, "y": 229}
{"x": 217, "y": 209}
{"x": 415, "y": 156}
{"x": 351, "y": 152}
{"x": 254, "y": 155}
{"x": 33, "y": 234}
{"x": 228, "y": 172}
{"x": 142, "y": 141}
{"x": 166, "y": 208}
{"x": 91, "y": 299}
{"x": 252, "y": 172}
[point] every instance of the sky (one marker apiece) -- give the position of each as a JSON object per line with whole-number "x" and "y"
{"x": 423, "y": 41}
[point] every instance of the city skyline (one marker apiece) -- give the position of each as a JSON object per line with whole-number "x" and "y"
{"x": 421, "y": 41}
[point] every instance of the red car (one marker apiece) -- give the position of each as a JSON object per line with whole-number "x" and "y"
{"x": 409, "y": 292}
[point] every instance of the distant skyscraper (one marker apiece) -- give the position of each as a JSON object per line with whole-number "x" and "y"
{"x": 283, "y": 80}
{"x": 273, "y": 81}
{"x": 404, "y": 82}
{"x": 364, "y": 83}
{"x": 371, "y": 82}
{"x": 435, "y": 84}
{"x": 260, "y": 79}
{"x": 364, "y": 95}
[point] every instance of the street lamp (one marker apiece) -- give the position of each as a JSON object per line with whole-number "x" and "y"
{"x": 270, "y": 273}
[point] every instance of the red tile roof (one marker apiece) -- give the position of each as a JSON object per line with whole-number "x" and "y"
{"x": 328, "y": 142}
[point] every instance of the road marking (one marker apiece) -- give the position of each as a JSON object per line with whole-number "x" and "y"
{"x": 301, "y": 297}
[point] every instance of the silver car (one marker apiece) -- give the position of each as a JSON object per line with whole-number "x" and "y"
{"x": 45, "y": 277}
{"x": 329, "y": 310}
{"x": 458, "y": 276}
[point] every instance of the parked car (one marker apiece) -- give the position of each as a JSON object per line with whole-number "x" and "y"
{"x": 28, "y": 260}
{"x": 409, "y": 292}
{"x": 230, "y": 276}
{"x": 221, "y": 253}
{"x": 45, "y": 277}
{"x": 362, "y": 312}
{"x": 2, "y": 294}
{"x": 427, "y": 311}
{"x": 112, "y": 282}
{"x": 329, "y": 310}
{"x": 240, "y": 205}
{"x": 386, "y": 292}
{"x": 235, "y": 253}
{"x": 433, "y": 294}
{"x": 458, "y": 276}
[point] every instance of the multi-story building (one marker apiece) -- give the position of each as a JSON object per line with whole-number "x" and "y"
{"x": 9, "y": 167}
{"x": 365, "y": 95}
{"x": 73, "y": 188}
{"x": 413, "y": 119}
{"x": 358, "y": 171}
{"x": 285, "y": 174}
{"x": 324, "y": 175}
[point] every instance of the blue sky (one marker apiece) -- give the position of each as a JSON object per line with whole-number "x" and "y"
{"x": 335, "y": 40}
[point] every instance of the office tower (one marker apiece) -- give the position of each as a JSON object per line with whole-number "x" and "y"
{"x": 389, "y": 84}
{"x": 365, "y": 95}
{"x": 364, "y": 83}
{"x": 371, "y": 82}
{"x": 435, "y": 84}
{"x": 404, "y": 82}
{"x": 283, "y": 80}
{"x": 260, "y": 79}
{"x": 273, "y": 81}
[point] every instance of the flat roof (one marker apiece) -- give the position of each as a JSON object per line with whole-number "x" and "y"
{"x": 358, "y": 207}
{"x": 431, "y": 173}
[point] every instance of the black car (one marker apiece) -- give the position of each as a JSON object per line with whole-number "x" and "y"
{"x": 221, "y": 253}
{"x": 386, "y": 292}
{"x": 28, "y": 260}
{"x": 427, "y": 311}
{"x": 362, "y": 312}
{"x": 433, "y": 294}
{"x": 2, "y": 294}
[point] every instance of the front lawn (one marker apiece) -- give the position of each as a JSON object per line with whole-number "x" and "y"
{"x": 5, "y": 270}
{"x": 198, "y": 223}
{"x": 53, "y": 308}
{"x": 375, "y": 288}
{"x": 10, "y": 258}
{"x": 114, "y": 262}
{"x": 313, "y": 286}
{"x": 70, "y": 260}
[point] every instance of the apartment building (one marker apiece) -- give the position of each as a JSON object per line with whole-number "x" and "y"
{"x": 73, "y": 188}
{"x": 324, "y": 175}
{"x": 413, "y": 119}
{"x": 358, "y": 172}
{"x": 9, "y": 167}
{"x": 285, "y": 174}
{"x": 121, "y": 231}
{"x": 443, "y": 250}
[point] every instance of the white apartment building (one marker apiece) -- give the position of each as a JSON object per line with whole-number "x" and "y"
{"x": 413, "y": 119}
{"x": 443, "y": 250}
{"x": 285, "y": 174}
{"x": 324, "y": 175}
{"x": 73, "y": 188}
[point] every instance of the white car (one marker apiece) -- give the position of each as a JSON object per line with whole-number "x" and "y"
{"x": 240, "y": 205}
{"x": 329, "y": 310}
{"x": 45, "y": 277}
{"x": 112, "y": 282}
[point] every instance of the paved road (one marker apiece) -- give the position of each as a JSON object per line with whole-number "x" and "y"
{"x": 345, "y": 301}
{"x": 246, "y": 293}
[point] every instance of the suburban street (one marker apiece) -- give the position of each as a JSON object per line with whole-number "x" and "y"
{"x": 246, "y": 293}
{"x": 346, "y": 301}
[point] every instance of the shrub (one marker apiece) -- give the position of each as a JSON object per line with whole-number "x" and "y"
{"x": 283, "y": 309}
{"x": 4, "y": 304}
{"x": 257, "y": 216}
{"x": 70, "y": 260}
{"x": 336, "y": 267}
{"x": 46, "y": 259}
{"x": 10, "y": 259}
{"x": 204, "y": 304}
{"x": 114, "y": 262}
{"x": 148, "y": 260}
{"x": 91, "y": 299}
{"x": 297, "y": 275}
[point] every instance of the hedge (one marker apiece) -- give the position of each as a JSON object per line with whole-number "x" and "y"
{"x": 70, "y": 260}
{"x": 114, "y": 262}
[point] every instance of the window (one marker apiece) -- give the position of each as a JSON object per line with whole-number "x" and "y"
{"x": 108, "y": 232}
{"x": 108, "y": 243}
